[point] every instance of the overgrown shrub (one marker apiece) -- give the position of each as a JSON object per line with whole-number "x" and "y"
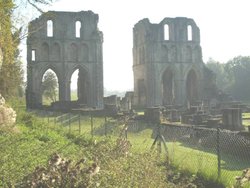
{"x": 7, "y": 117}
{"x": 61, "y": 173}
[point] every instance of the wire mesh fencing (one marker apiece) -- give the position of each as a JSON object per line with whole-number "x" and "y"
{"x": 215, "y": 153}
{"x": 84, "y": 123}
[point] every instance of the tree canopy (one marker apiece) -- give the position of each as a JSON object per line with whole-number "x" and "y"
{"x": 50, "y": 85}
{"x": 233, "y": 77}
{"x": 11, "y": 73}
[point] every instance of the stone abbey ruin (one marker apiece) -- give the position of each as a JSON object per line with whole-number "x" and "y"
{"x": 167, "y": 60}
{"x": 175, "y": 94}
{"x": 167, "y": 63}
{"x": 65, "y": 42}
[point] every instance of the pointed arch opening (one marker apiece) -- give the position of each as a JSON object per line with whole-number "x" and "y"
{"x": 189, "y": 33}
{"x": 168, "y": 88}
{"x": 78, "y": 26}
{"x": 79, "y": 86}
{"x": 166, "y": 32}
{"x": 33, "y": 55}
{"x": 50, "y": 28}
{"x": 49, "y": 87}
{"x": 192, "y": 87}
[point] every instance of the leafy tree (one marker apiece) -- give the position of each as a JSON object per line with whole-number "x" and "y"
{"x": 11, "y": 73}
{"x": 50, "y": 86}
{"x": 238, "y": 70}
{"x": 6, "y": 40}
{"x": 223, "y": 80}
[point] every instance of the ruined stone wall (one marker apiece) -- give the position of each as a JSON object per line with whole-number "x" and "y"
{"x": 167, "y": 62}
{"x": 65, "y": 42}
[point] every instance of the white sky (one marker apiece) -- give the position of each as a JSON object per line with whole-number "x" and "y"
{"x": 224, "y": 29}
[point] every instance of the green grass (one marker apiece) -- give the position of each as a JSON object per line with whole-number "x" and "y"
{"x": 246, "y": 119}
{"x": 193, "y": 160}
{"x": 73, "y": 95}
{"x": 40, "y": 137}
{"x": 21, "y": 152}
{"x": 183, "y": 157}
{"x": 206, "y": 163}
{"x": 245, "y": 115}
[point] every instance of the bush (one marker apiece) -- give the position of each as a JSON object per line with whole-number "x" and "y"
{"x": 7, "y": 117}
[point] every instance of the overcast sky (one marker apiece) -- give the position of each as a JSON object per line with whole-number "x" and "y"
{"x": 224, "y": 29}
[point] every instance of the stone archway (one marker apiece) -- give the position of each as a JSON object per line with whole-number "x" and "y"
{"x": 37, "y": 95}
{"x": 49, "y": 87}
{"x": 168, "y": 88}
{"x": 82, "y": 85}
{"x": 192, "y": 87}
{"x": 65, "y": 52}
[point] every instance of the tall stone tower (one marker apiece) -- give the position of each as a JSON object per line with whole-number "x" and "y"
{"x": 167, "y": 63}
{"x": 65, "y": 42}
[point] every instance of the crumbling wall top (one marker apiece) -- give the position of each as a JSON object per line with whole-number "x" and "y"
{"x": 64, "y": 24}
{"x": 178, "y": 29}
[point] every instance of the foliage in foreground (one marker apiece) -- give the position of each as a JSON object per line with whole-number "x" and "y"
{"x": 29, "y": 158}
{"x": 61, "y": 172}
{"x": 22, "y": 154}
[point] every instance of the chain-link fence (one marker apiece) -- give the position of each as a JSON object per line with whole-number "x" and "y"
{"x": 84, "y": 123}
{"x": 215, "y": 153}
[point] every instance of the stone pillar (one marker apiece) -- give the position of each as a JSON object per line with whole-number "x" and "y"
{"x": 232, "y": 118}
{"x": 150, "y": 89}
{"x": 180, "y": 93}
{"x": 64, "y": 90}
{"x": 158, "y": 92}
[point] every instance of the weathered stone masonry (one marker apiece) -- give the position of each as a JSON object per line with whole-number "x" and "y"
{"x": 65, "y": 42}
{"x": 167, "y": 63}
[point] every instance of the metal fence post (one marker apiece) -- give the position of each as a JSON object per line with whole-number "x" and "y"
{"x": 79, "y": 123}
{"x": 69, "y": 123}
{"x": 105, "y": 125}
{"x": 218, "y": 151}
{"x": 61, "y": 118}
{"x": 55, "y": 120}
{"x": 91, "y": 122}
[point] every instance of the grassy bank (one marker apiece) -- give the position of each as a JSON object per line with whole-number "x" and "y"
{"x": 37, "y": 138}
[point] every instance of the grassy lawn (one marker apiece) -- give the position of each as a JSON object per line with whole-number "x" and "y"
{"x": 206, "y": 163}
{"x": 246, "y": 119}
{"x": 185, "y": 158}
{"x": 39, "y": 138}
{"x": 47, "y": 135}
{"x": 194, "y": 160}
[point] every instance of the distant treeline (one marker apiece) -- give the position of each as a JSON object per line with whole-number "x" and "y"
{"x": 233, "y": 77}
